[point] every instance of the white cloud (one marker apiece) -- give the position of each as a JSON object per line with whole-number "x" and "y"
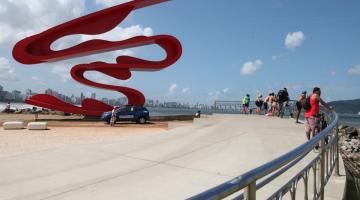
{"x": 39, "y": 15}
{"x": 294, "y": 40}
{"x": 185, "y": 90}
{"x": 62, "y": 68}
{"x": 117, "y": 34}
{"x": 251, "y": 67}
{"x": 108, "y": 3}
{"x": 7, "y": 72}
{"x": 104, "y": 79}
{"x": 215, "y": 95}
{"x": 172, "y": 88}
{"x": 63, "y": 71}
{"x": 37, "y": 80}
{"x": 36, "y": 16}
{"x": 354, "y": 71}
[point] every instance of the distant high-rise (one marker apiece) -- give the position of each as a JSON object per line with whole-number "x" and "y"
{"x": 17, "y": 95}
{"x": 93, "y": 95}
{"x": 2, "y": 93}
{"x": 28, "y": 93}
{"x": 82, "y": 97}
{"x": 73, "y": 98}
{"x": 49, "y": 91}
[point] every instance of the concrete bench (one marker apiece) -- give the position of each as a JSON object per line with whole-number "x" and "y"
{"x": 13, "y": 125}
{"x": 37, "y": 125}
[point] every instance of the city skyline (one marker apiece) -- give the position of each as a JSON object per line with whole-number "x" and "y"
{"x": 18, "y": 96}
{"x": 250, "y": 47}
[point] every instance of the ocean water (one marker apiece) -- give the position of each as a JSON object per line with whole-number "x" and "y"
{"x": 353, "y": 120}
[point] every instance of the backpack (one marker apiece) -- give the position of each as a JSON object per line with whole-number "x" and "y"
{"x": 282, "y": 95}
{"x": 306, "y": 103}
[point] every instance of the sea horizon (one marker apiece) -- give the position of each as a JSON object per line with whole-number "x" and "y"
{"x": 344, "y": 118}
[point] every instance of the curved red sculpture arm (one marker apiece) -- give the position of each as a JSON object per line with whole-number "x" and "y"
{"x": 36, "y": 49}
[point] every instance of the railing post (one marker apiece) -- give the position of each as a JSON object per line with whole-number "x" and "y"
{"x": 322, "y": 168}
{"x": 337, "y": 168}
{"x": 250, "y": 191}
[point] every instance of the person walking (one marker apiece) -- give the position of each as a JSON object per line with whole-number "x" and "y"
{"x": 245, "y": 104}
{"x": 311, "y": 114}
{"x": 299, "y": 103}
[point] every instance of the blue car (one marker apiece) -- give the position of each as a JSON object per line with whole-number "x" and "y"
{"x": 138, "y": 114}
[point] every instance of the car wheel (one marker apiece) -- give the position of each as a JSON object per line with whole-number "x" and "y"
{"x": 142, "y": 120}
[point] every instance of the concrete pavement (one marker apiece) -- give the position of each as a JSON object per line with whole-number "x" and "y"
{"x": 175, "y": 164}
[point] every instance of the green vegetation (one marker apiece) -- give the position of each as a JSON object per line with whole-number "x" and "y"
{"x": 347, "y": 106}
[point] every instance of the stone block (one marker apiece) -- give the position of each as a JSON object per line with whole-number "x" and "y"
{"x": 13, "y": 125}
{"x": 37, "y": 126}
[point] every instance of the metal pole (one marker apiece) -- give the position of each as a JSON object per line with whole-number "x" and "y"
{"x": 322, "y": 168}
{"x": 250, "y": 191}
{"x": 337, "y": 168}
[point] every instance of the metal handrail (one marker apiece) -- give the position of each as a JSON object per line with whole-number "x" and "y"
{"x": 248, "y": 179}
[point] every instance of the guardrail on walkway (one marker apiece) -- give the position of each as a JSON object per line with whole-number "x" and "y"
{"x": 322, "y": 167}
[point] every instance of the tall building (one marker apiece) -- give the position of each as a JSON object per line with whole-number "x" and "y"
{"x": 2, "y": 93}
{"x": 49, "y": 91}
{"x": 93, "y": 95}
{"x": 105, "y": 100}
{"x": 17, "y": 95}
{"x": 73, "y": 98}
{"x": 82, "y": 97}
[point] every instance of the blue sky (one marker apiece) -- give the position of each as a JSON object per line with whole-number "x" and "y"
{"x": 219, "y": 39}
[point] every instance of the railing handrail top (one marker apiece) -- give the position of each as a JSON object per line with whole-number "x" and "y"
{"x": 245, "y": 179}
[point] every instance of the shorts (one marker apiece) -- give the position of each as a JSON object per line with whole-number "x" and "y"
{"x": 246, "y": 105}
{"x": 310, "y": 124}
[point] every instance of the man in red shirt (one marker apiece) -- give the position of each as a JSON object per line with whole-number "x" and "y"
{"x": 311, "y": 114}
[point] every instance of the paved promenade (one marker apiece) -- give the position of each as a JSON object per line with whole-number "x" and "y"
{"x": 175, "y": 164}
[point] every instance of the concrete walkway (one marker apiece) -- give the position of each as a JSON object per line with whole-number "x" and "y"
{"x": 176, "y": 164}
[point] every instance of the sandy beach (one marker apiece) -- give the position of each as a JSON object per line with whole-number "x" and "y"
{"x": 65, "y": 130}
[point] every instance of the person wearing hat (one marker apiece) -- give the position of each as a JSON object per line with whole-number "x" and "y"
{"x": 299, "y": 103}
{"x": 259, "y": 103}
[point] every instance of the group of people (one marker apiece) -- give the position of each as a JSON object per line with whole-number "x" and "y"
{"x": 273, "y": 105}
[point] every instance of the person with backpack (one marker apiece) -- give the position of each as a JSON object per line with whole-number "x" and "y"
{"x": 299, "y": 103}
{"x": 283, "y": 96}
{"x": 245, "y": 104}
{"x": 312, "y": 110}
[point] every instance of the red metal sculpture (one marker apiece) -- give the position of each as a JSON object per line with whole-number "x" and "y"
{"x": 36, "y": 49}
